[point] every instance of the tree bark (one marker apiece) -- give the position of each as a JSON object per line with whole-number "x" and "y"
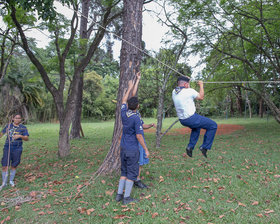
{"x": 130, "y": 61}
{"x": 261, "y": 108}
{"x": 239, "y": 101}
{"x": 159, "y": 115}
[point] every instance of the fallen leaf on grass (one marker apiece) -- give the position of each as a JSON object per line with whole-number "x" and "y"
{"x": 121, "y": 217}
{"x": 161, "y": 179}
{"x": 33, "y": 202}
{"x": 6, "y": 219}
{"x": 147, "y": 197}
{"x": 241, "y": 204}
{"x": 90, "y": 211}
{"x": 128, "y": 210}
{"x": 221, "y": 216}
{"x": 110, "y": 193}
{"x": 154, "y": 215}
{"x": 50, "y": 212}
{"x": 81, "y": 210}
{"x": 277, "y": 176}
{"x": 216, "y": 180}
{"x": 260, "y": 215}
{"x": 255, "y": 203}
{"x": 269, "y": 211}
{"x": 41, "y": 213}
{"x": 33, "y": 194}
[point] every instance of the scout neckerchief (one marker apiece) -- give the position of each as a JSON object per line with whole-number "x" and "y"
{"x": 178, "y": 89}
{"x": 129, "y": 113}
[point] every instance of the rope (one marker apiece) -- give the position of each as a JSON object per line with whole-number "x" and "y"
{"x": 241, "y": 82}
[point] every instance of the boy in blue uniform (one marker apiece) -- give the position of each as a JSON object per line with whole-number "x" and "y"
{"x": 16, "y": 132}
{"x": 142, "y": 158}
{"x": 131, "y": 135}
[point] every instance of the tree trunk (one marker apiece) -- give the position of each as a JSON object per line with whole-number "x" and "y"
{"x": 261, "y": 111}
{"x": 130, "y": 61}
{"x": 273, "y": 108}
{"x": 63, "y": 141}
{"x": 239, "y": 101}
{"x": 231, "y": 107}
{"x": 159, "y": 117}
{"x": 249, "y": 104}
{"x": 76, "y": 123}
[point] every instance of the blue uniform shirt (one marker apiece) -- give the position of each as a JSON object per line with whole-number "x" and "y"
{"x": 131, "y": 126}
{"x": 142, "y": 122}
{"x": 14, "y": 130}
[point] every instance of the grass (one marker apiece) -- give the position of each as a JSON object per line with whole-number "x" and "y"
{"x": 238, "y": 183}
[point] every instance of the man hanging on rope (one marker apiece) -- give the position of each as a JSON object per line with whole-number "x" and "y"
{"x": 16, "y": 132}
{"x": 142, "y": 159}
{"x": 131, "y": 135}
{"x": 183, "y": 97}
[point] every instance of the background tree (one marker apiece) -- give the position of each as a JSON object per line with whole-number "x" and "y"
{"x": 55, "y": 26}
{"x": 97, "y": 9}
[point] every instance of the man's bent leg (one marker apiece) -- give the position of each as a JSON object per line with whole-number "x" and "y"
{"x": 194, "y": 137}
{"x": 193, "y": 123}
{"x": 211, "y": 128}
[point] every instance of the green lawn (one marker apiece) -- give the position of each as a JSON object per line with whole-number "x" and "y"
{"x": 238, "y": 183}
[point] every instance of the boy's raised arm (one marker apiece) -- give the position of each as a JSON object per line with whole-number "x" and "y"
{"x": 138, "y": 77}
{"x": 125, "y": 97}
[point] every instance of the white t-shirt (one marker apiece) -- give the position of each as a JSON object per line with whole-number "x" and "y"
{"x": 184, "y": 102}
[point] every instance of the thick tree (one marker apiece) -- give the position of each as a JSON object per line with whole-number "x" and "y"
{"x": 130, "y": 61}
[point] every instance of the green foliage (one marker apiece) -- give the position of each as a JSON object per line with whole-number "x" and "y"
{"x": 24, "y": 17}
{"x": 99, "y": 96}
{"x": 44, "y": 8}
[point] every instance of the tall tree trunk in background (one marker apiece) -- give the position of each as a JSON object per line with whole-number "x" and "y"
{"x": 261, "y": 108}
{"x": 231, "y": 107}
{"x": 239, "y": 101}
{"x": 130, "y": 61}
{"x": 162, "y": 88}
{"x": 160, "y": 111}
{"x": 249, "y": 104}
{"x": 76, "y": 123}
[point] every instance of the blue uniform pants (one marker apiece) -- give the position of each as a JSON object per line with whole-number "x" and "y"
{"x": 196, "y": 122}
{"x": 129, "y": 163}
{"x": 13, "y": 158}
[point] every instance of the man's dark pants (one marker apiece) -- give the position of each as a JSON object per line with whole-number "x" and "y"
{"x": 196, "y": 122}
